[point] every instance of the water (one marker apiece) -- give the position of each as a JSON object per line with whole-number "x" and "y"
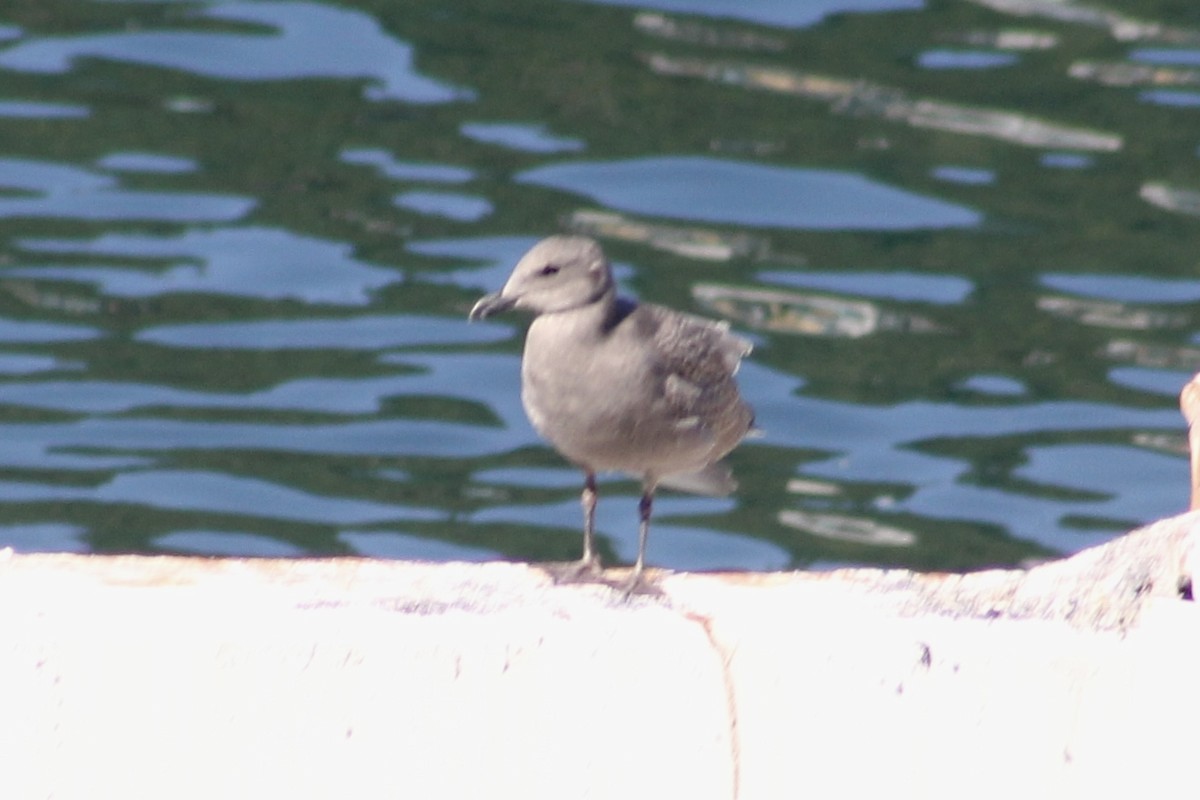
{"x": 239, "y": 242}
{"x": 753, "y": 195}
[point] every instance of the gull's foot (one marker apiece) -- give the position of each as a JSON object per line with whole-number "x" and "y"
{"x": 631, "y": 586}
{"x": 637, "y": 583}
{"x": 581, "y": 571}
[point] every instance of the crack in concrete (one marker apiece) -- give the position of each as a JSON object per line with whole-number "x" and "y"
{"x": 726, "y": 656}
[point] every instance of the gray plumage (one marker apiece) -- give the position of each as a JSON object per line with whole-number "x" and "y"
{"x": 616, "y": 385}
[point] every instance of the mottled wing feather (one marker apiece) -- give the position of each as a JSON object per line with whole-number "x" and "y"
{"x": 695, "y": 361}
{"x": 696, "y": 350}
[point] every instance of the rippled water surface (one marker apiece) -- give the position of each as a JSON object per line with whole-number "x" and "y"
{"x": 239, "y": 242}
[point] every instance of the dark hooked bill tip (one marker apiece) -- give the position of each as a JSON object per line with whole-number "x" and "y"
{"x": 490, "y": 304}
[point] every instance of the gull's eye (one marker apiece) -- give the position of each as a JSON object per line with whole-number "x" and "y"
{"x": 550, "y": 269}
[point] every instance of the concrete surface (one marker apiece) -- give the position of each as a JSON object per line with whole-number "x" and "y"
{"x": 134, "y": 677}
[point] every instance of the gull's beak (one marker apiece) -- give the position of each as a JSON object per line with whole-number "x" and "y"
{"x": 491, "y": 304}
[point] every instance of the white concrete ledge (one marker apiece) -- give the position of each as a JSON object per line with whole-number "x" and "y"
{"x": 137, "y": 677}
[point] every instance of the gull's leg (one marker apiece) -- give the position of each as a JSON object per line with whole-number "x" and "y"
{"x": 590, "y": 561}
{"x": 644, "y": 508}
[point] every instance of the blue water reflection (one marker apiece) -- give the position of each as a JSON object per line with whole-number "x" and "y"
{"x": 325, "y": 395}
{"x": 390, "y": 544}
{"x": 31, "y": 331}
{"x": 903, "y": 286}
{"x": 1171, "y": 98}
{"x": 28, "y": 109}
{"x": 362, "y": 396}
{"x": 452, "y": 205}
{"x": 62, "y": 191}
{"x": 745, "y": 193}
{"x": 531, "y": 477}
{"x": 1090, "y": 468}
{"x": 875, "y": 445}
{"x": 785, "y": 13}
{"x": 864, "y": 435}
{"x": 683, "y": 547}
{"x": 1126, "y": 288}
{"x": 965, "y": 59}
{"x": 1067, "y": 160}
{"x": 1165, "y": 382}
{"x": 387, "y": 166}
{"x": 994, "y": 385}
{"x": 968, "y": 176}
{"x": 44, "y": 537}
{"x": 1177, "y": 56}
{"x": 229, "y": 494}
{"x": 267, "y": 263}
{"x": 227, "y": 543}
{"x": 147, "y": 162}
{"x": 689, "y": 548}
{"x": 523, "y": 137}
{"x": 491, "y": 258}
{"x": 24, "y": 364}
{"x": 71, "y": 445}
{"x": 313, "y": 333}
{"x": 308, "y": 40}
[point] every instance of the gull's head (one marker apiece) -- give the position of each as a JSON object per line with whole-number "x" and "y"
{"x": 557, "y": 274}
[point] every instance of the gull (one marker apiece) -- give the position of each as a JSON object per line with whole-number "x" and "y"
{"x": 617, "y": 385}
